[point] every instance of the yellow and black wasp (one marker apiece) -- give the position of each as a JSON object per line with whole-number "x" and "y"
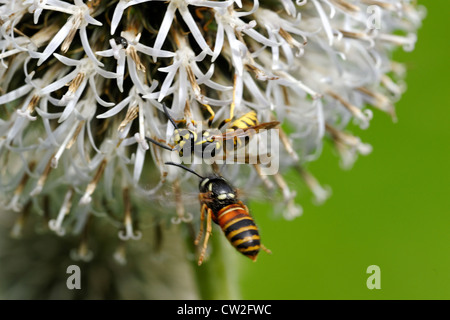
{"x": 190, "y": 141}
{"x": 209, "y": 143}
{"x": 238, "y": 134}
{"x": 220, "y": 203}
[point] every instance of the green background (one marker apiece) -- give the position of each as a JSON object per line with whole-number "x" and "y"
{"x": 391, "y": 209}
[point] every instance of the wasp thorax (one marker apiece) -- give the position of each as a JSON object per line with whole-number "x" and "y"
{"x": 184, "y": 138}
{"x": 181, "y": 134}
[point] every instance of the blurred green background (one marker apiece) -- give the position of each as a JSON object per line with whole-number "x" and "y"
{"x": 392, "y": 209}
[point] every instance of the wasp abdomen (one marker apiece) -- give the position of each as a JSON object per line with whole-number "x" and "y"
{"x": 240, "y": 229}
{"x": 248, "y": 120}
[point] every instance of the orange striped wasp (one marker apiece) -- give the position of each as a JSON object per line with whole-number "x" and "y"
{"x": 220, "y": 204}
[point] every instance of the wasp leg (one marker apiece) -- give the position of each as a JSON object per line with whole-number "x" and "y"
{"x": 224, "y": 122}
{"x": 202, "y": 217}
{"x": 265, "y": 249}
{"x": 164, "y": 146}
{"x": 207, "y": 235}
{"x": 243, "y": 206}
{"x": 211, "y": 112}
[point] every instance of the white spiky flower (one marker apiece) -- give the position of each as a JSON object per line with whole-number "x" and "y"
{"x": 82, "y": 85}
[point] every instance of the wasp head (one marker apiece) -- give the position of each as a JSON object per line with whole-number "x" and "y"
{"x": 218, "y": 189}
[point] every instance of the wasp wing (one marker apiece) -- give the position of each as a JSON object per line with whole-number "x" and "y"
{"x": 245, "y": 132}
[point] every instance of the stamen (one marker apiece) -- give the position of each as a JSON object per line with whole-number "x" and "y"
{"x": 14, "y": 203}
{"x": 75, "y": 135}
{"x": 63, "y": 146}
{"x": 380, "y": 102}
{"x": 128, "y": 221}
{"x": 340, "y": 136}
{"x": 260, "y": 74}
{"x": 265, "y": 178}
{"x": 40, "y": 184}
{"x": 292, "y": 209}
{"x": 188, "y": 113}
{"x": 359, "y": 36}
{"x": 140, "y": 137}
{"x": 291, "y": 41}
{"x": 395, "y": 89}
{"x": 73, "y": 87}
{"x": 285, "y": 96}
{"x": 132, "y": 114}
{"x": 30, "y": 108}
{"x": 194, "y": 84}
{"x": 347, "y": 145}
{"x": 93, "y": 184}
{"x": 287, "y": 194}
{"x": 286, "y": 76}
{"x": 364, "y": 118}
{"x": 17, "y": 229}
{"x": 320, "y": 194}
{"x": 381, "y": 4}
{"x": 407, "y": 42}
{"x": 131, "y": 50}
{"x": 56, "y": 224}
{"x": 345, "y": 6}
{"x": 287, "y": 144}
{"x": 75, "y": 83}
{"x": 76, "y": 22}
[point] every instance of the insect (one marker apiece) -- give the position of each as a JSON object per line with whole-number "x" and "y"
{"x": 122, "y": 41}
{"x": 207, "y": 144}
{"x": 190, "y": 140}
{"x": 241, "y": 130}
{"x": 220, "y": 204}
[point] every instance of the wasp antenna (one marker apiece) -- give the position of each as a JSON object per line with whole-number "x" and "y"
{"x": 159, "y": 144}
{"x": 168, "y": 116}
{"x": 185, "y": 168}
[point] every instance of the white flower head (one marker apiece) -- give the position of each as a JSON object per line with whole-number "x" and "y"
{"x": 91, "y": 109}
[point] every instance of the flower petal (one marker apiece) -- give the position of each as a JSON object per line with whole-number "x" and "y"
{"x": 56, "y": 41}
{"x": 15, "y": 94}
{"x": 115, "y": 110}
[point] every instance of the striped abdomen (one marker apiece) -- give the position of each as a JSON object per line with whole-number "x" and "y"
{"x": 240, "y": 229}
{"x": 248, "y": 120}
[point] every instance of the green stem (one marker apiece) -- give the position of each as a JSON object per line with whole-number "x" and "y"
{"x": 217, "y": 277}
